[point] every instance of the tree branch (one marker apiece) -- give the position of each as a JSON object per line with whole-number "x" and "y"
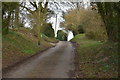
{"x": 33, "y": 4}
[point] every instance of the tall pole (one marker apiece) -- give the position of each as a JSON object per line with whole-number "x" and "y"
{"x": 56, "y": 25}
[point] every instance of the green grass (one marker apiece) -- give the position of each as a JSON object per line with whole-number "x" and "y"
{"x": 78, "y": 37}
{"x": 97, "y": 59}
{"x": 28, "y": 51}
{"x": 20, "y": 44}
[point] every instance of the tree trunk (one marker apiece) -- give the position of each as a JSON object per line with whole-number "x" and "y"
{"x": 41, "y": 14}
{"x": 6, "y": 24}
{"x": 17, "y": 16}
{"x": 39, "y": 25}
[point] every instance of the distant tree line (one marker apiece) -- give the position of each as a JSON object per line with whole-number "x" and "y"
{"x": 85, "y": 21}
{"x": 101, "y": 20}
{"x": 75, "y": 20}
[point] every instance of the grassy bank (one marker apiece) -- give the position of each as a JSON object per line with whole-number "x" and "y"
{"x": 18, "y": 45}
{"x": 95, "y": 59}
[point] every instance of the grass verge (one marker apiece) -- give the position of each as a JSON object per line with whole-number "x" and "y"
{"x": 19, "y": 45}
{"x": 95, "y": 59}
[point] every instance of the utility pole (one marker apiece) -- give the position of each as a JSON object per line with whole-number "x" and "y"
{"x": 56, "y": 25}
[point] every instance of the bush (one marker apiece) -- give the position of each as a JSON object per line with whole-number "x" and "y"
{"x": 48, "y": 30}
{"x": 80, "y": 29}
{"x": 62, "y": 36}
{"x": 90, "y": 35}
